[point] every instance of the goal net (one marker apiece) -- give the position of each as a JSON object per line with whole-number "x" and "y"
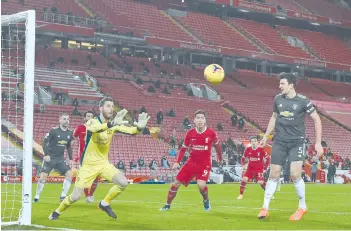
{"x": 17, "y": 102}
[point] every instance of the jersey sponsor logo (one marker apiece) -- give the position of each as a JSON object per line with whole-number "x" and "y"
{"x": 286, "y": 114}
{"x": 62, "y": 142}
{"x": 254, "y": 159}
{"x": 200, "y": 147}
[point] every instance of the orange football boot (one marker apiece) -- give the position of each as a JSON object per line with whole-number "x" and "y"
{"x": 298, "y": 214}
{"x": 263, "y": 214}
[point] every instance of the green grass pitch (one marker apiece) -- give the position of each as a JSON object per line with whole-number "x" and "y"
{"x": 138, "y": 208}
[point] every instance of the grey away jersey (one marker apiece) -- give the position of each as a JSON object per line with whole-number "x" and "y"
{"x": 290, "y": 122}
{"x": 56, "y": 141}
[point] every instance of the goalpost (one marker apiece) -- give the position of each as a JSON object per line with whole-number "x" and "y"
{"x": 17, "y": 93}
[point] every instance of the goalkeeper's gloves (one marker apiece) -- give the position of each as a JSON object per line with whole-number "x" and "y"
{"x": 118, "y": 120}
{"x": 142, "y": 121}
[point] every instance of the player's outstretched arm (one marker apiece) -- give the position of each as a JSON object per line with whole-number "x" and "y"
{"x": 318, "y": 128}
{"x": 138, "y": 126}
{"x": 93, "y": 126}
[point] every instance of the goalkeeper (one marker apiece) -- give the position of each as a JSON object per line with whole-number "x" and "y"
{"x": 94, "y": 160}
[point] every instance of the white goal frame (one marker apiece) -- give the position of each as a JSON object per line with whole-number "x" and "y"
{"x": 28, "y": 18}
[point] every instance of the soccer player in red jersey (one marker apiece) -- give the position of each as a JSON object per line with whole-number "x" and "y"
{"x": 255, "y": 167}
{"x": 80, "y": 133}
{"x": 198, "y": 141}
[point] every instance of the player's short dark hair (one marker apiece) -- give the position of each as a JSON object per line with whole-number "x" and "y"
{"x": 63, "y": 114}
{"x": 106, "y": 99}
{"x": 87, "y": 112}
{"x": 200, "y": 112}
{"x": 253, "y": 138}
{"x": 290, "y": 77}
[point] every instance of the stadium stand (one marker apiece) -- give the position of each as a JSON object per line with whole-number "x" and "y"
{"x": 129, "y": 14}
{"x": 326, "y": 8}
{"x": 85, "y": 59}
{"x": 270, "y": 37}
{"x": 288, "y": 5}
{"x": 41, "y": 6}
{"x": 325, "y": 47}
{"x": 333, "y": 88}
{"x": 213, "y": 31}
{"x": 270, "y": 84}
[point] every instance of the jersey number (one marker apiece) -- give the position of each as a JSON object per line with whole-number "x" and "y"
{"x": 205, "y": 173}
{"x": 300, "y": 150}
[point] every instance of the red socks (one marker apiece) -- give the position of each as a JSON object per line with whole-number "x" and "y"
{"x": 242, "y": 187}
{"x": 171, "y": 194}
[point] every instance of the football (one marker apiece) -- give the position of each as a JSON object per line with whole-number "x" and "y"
{"x": 214, "y": 73}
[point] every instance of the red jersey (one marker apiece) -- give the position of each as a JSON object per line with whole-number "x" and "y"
{"x": 80, "y": 133}
{"x": 256, "y": 157}
{"x": 199, "y": 146}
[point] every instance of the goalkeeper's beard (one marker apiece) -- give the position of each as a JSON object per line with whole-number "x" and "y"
{"x": 106, "y": 116}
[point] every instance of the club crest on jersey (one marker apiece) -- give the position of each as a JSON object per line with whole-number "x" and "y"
{"x": 294, "y": 106}
{"x": 206, "y": 140}
{"x": 68, "y": 137}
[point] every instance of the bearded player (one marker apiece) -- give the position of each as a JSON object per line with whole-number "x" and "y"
{"x": 256, "y": 166}
{"x": 80, "y": 133}
{"x": 198, "y": 141}
{"x": 94, "y": 161}
{"x": 288, "y": 121}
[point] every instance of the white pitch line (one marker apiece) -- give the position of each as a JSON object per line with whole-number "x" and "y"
{"x": 48, "y": 227}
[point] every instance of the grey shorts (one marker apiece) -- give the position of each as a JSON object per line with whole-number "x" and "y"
{"x": 57, "y": 164}
{"x": 291, "y": 151}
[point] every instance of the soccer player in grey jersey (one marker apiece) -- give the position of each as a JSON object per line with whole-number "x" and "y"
{"x": 288, "y": 121}
{"x": 55, "y": 142}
